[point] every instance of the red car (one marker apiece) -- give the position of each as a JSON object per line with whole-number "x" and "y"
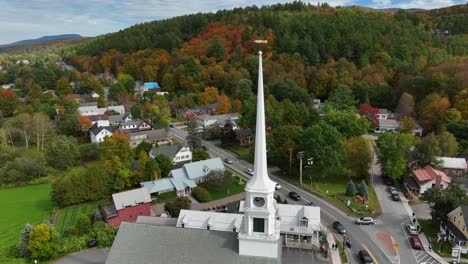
{"x": 416, "y": 242}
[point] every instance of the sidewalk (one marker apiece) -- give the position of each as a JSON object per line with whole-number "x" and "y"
{"x": 461, "y": 260}
{"x": 422, "y": 236}
{"x": 334, "y": 254}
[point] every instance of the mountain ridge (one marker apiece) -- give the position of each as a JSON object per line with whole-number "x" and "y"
{"x": 41, "y": 39}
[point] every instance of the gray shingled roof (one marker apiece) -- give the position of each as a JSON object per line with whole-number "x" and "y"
{"x": 96, "y": 130}
{"x": 143, "y": 243}
{"x": 169, "y": 151}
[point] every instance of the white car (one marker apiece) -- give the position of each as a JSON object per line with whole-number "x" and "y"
{"x": 250, "y": 172}
{"x": 365, "y": 221}
{"x": 412, "y": 230}
{"x": 277, "y": 186}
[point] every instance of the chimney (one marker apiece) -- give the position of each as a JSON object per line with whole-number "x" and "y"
{"x": 438, "y": 181}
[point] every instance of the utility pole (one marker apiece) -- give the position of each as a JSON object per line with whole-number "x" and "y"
{"x": 290, "y": 160}
{"x": 310, "y": 162}
{"x": 300, "y": 155}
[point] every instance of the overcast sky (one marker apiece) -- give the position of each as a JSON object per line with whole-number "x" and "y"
{"x": 26, "y": 19}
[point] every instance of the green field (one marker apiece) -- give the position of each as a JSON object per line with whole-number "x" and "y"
{"x": 235, "y": 188}
{"x": 22, "y": 205}
{"x": 67, "y": 216}
{"x": 242, "y": 152}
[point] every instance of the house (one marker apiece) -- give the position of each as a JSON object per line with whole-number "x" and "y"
{"x": 454, "y": 167}
{"x": 208, "y": 120}
{"x": 8, "y": 86}
{"x": 98, "y": 134}
{"x": 178, "y": 153}
{"x": 150, "y": 86}
{"x": 184, "y": 179}
{"x": 134, "y": 125}
{"x": 115, "y": 120}
{"x": 456, "y": 229}
{"x": 387, "y": 121}
{"x": 159, "y": 136}
{"x": 318, "y": 104}
{"x": 127, "y": 206}
{"x": 198, "y": 110}
{"x": 426, "y": 178}
{"x": 22, "y": 62}
{"x": 244, "y": 137}
{"x": 91, "y": 108}
{"x": 100, "y": 120}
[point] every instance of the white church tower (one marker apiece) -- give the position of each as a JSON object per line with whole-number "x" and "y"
{"x": 260, "y": 232}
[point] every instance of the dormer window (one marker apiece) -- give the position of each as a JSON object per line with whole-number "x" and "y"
{"x": 303, "y": 222}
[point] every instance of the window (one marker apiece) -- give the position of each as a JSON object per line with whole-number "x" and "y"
{"x": 259, "y": 225}
{"x": 304, "y": 222}
{"x": 207, "y": 227}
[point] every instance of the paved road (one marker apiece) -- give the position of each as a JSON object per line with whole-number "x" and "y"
{"x": 92, "y": 256}
{"x": 361, "y": 236}
{"x": 394, "y": 218}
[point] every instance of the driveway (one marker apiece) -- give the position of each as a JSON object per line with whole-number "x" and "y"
{"x": 92, "y": 256}
{"x": 422, "y": 210}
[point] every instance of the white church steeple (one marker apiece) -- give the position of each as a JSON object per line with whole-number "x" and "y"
{"x": 260, "y": 234}
{"x": 260, "y": 180}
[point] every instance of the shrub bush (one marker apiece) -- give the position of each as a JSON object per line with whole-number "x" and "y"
{"x": 201, "y": 194}
{"x": 174, "y": 207}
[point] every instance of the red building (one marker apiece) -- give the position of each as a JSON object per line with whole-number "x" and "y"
{"x": 127, "y": 207}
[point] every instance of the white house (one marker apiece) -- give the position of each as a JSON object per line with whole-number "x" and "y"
{"x": 100, "y": 120}
{"x": 454, "y": 167}
{"x": 426, "y": 178}
{"x": 8, "y": 86}
{"x": 24, "y": 62}
{"x": 184, "y": 179}
{"x": 115, "y": 120}
{"x": 178, "y": 153}
{"x": 91, "y": 108}
{"x": 98, "y": 134}
{"x": 134, "y": 125}
{"x": 221, "y": 120}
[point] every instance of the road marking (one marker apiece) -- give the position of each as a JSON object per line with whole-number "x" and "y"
{"x": 370, "y": 253}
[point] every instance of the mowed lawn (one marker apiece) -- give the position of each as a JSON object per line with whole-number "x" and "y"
{"x": 22, "y": 205}
{"x": 67, "y": 216}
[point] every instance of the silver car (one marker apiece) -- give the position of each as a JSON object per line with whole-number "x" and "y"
{"x": 365, "y": 221}
{"x": 412, "y": 230}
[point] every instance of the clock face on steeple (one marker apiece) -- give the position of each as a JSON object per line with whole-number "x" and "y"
{"x": 259, "y": 201}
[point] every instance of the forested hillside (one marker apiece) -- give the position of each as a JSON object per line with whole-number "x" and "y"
{"x": 311, "y": 50}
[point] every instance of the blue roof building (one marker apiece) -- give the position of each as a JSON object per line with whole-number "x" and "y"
{"x": 152, "y": 85}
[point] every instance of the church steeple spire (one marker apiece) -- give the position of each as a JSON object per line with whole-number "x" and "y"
{"x": 260, "y": 180}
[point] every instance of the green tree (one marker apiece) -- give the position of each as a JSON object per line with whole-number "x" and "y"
{"x": 127, "y": 82}
{"x": 199, "y": 154}
{"x": 350, "y": 188}
{"x": 217, "y": 50}
{"x": 143, "y": 146}
{"x": 43, "y": 242}
{"x": 393, "y": 153}
{"x": 343, "y": 99}
{"x": 151, "y": 171}
{"x": 406, "y": 125}
{"x": 194, "y": 136}
{"x": 244, "y": 90}
{"x": 201, "y": 194}
{"x": 428, "y": 149}
{"x": 115, "y": 90}
{"x": 363, "y": 190}
{"x": 8, "y": 103}
{"x": 445, "y": 200}
{"x": 448, "y": 144}
{"x": 164, "y": 163}
{"x": 62, "y": 153}
{"x": 83, "y": 224}
{"x": 358, "y": 156}
{"x": 281, "y": 141}
{"x": 348, "y": 123}
{"x": 22, "y": 246}
{"x": 174, "y": 206}
{"x": 324, "y": 144}
{"x": 63, "y": 87}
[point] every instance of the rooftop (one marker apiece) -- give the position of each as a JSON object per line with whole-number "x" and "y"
{"x": 141, "y": 243}
{"x": 453, "y": 163}
{"x": 216, "y": 221}
{"x": 201, "y": 168}
{"x": 131, "y": 198}
{"x": 170, "y": 150}
{"x": 428, "y": 173}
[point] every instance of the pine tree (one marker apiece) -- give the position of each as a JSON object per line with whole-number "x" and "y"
{"x": 351, "y": 188}
{"x": 23, "y": 243}
{"x": 363, "y": 190}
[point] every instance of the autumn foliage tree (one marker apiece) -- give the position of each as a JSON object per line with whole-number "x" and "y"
{"x": 8, "y": 103}
{"x": 431, "y": 112}
{"x": 224, "y": 106}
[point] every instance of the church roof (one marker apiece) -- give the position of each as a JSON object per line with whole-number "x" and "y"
{"x": 143, "y": 243}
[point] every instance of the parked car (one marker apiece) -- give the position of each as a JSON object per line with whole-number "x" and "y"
{"x": 205, "y": 148}
{"x": 395, "y": 197}
{"x": 92, "y": 243}
{"x": 391, "y": 189}
{"x": 228, "y": 161}
{"x": 311, "y": 204}
{"x": 388, "y": 181}
{"x": 249, "y": 171}
{"x": 412, "y": 230}
{"x": 277, "y": 186}
{"x": 365, "y": 257}
{"x": 171, "y": 125}
{"x": 339, "y": 227}
{"x": 294, "y": 196}
{"x": 365, "y": 221}
{"x": 415, "y": 242}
